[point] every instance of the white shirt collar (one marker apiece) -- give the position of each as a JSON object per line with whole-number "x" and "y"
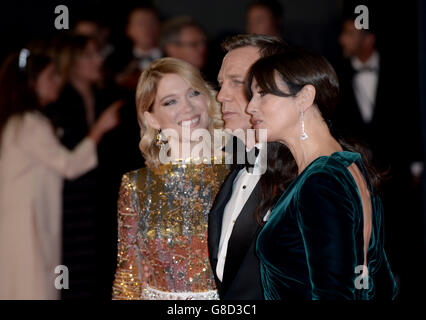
{"x": 372, "y": 62}
{"x": 259, "y": 145}
{"x": 261, "y": 160}
{"x": 154, "y": 53}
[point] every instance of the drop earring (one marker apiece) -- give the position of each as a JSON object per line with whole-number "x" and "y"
{"x": 304, "y": 135}
{"x": 160, "y": 140}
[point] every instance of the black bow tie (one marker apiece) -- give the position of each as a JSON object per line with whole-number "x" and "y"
{"x": 251, "y": 159}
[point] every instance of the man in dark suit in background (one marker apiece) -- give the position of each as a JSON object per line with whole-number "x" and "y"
{"x": 379, "y": 107}
{"x": 143, "y": 32}
{"x": 233, "y": 229}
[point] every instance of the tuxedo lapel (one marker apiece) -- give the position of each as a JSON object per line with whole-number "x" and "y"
{"x": 216, "y": 215}
{"x": 381, "y": 107}
{"x": 244, "y": 231}
{"x": 356, "y": 112}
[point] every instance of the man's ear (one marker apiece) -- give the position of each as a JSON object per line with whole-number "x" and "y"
{"x": 306, "y": 97}
{"x": 151, "y": 120}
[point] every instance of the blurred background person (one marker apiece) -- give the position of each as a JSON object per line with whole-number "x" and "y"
{"x": 91, "y": 27}
{"x": 184, "y": 38}
{"x": 74, "y": 114}
{"x": 265, "y": 17}
{"x": 33, "y": 163}
{"x": 143, "y": 31}
{"x": 376, "y": 109}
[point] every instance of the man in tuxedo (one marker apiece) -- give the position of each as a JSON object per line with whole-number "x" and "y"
{"x": 232, "y": 227}
{"x": 184, "y": 38}
{"x": 143, "y": 30}
{"x": 378, "y": 108}
{"x": 371, "y": 97}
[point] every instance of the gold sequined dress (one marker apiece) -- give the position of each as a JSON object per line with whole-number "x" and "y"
{"x": 162, "y": 224}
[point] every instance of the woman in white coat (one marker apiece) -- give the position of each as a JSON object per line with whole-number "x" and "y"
{"x": 33, "y": 164}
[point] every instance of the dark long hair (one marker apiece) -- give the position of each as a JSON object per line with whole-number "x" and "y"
{"x": 297, "y": 68}
{"x": 18, "y": 76}
{"x": 282, "y": 168}
{"x": 69, "y": 48}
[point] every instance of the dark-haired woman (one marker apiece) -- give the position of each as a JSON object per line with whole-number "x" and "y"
{"x": 32, "y": 166}
{"x": 323, "y": 239}
{"x": 89, "y": 201}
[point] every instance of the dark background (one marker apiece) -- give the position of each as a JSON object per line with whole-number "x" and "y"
{"x": 310, "y": 23}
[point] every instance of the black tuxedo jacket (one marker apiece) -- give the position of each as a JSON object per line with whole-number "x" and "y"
{"x": 241, "y": 275}
{"x": 393, "y": 138}
{"x": 394, "y": 116}
{"x": 348, "y": 116}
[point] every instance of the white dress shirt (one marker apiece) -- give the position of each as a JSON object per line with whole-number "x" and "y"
{"x": 242, "y": 188}
{"x": 365, "y": 85}
{"x": 266, "y": 217}
{"x": 146, "y": 58}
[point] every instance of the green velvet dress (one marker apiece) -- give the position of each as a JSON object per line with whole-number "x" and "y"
{"x": 312, "y": 245}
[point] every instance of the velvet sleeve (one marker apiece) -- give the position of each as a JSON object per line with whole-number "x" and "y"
{"x": 327, "y": 221}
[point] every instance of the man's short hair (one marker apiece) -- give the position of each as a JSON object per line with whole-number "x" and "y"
{"x": 171, "y": 30}
{"x": 268, "y": 45}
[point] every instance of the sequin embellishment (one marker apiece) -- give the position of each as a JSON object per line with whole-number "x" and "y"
{"x": 162, "y": 224}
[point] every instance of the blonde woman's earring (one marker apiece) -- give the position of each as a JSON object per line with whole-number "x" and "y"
{"x": 160, "y": 139}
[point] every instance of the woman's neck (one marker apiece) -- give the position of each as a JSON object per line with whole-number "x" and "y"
{"x": 319, "y": 143}
{"x": 184, "y": 150}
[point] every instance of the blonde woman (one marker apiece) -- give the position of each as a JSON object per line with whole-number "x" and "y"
{"x": 163, "y": 208}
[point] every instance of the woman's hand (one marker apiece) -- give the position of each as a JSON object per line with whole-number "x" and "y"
{"x": 108, "y": 120}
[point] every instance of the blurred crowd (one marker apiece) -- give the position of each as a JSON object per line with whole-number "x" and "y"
{"x": 94, "y": 74}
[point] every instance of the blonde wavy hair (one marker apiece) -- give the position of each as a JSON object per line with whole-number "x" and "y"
{"x": 145, "y": 98}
